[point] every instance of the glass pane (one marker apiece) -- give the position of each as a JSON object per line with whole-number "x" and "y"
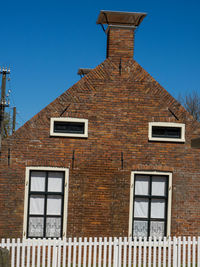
{"x": 53, "y": 227}
{"x": 69, "y": 127}
{"x": 157, "y": 229}
{"x": 54, "y": 205}
{"x": 141, "y": 208}
{"x": 166, "y": 132}
{"x": 142, "y": 185}
{"x": 38, "y": 181}
{"x": 36, "y": 205}
{"x": 35, "y": 227}
{"x": 159, "y": 185}
{"x": 55, "y": 181}
{"x": 158, "y": 208}
{"x": 140, "y": 228}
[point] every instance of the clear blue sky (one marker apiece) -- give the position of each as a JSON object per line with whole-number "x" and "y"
{"x": 45, "y": 42}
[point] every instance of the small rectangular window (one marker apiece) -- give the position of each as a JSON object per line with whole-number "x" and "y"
{"x": 69, "y": 127}
{"x": 165, "y": 131}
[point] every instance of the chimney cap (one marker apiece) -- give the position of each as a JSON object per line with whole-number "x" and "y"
{"x": 120, "y": 18}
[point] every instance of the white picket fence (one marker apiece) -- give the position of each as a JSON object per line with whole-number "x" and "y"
{"x": 104, "y": 252}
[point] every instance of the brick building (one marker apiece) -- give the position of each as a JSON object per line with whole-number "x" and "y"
{"x": 111, "y": 156}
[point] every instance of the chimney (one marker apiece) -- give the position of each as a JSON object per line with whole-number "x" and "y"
{"x": 120, "y": 31}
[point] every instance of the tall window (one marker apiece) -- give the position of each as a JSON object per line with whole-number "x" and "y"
{"x": 45, "y": 203}
{"x": 150, "y": 205}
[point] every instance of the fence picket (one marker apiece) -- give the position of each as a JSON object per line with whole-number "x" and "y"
{"x": 154, "y": 251}
{"x": 23, "y": 253}
{"x": 79, "y": 251}
{"x": 59, "y": 253}
{"x": 120, "y": 252}
{"x": 64, "y": 252}
{"x": 69, "y": 252}
{"x": 74, "y": 252}
{"x": 84, "y": 252}
{"x": 174, "y": 251}
{"x": 48, "y": 253}
{"x": 104, "y": 251}
{"x": 198, "y": 252}
{"x": 13, "y": 253}
{"x": 179, "y": 252}
{"x": 184, "y": 252}
{"x": 149, "y": 252}
{"x": 125, "y": 251}
{"x": 18, "y": 252}
{"x": 90, "y": 252}
{"x": 145, "y": 252}
{"x": 28, "y": 253}
{"x": 38, "y": 252}
{"x": 100, "y": 252}
{"x": 95, "y": 252}
{"x": 129, "y": 251}
{"x": 159, "y": 252}
{"x": 134, "y": 251}
{"x": 164, "y": 251}
{"x": 189, "y": 252}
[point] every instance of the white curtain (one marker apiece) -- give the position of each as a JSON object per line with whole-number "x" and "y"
{"x": 158, "y": 185}
{"x": 54, "y": 205}
{"x": 55, "y": 182}
{"x": 36, "y": 226}
{"x": 37, "y": 181}
{"x": 157, "y": 229}
{"x": 142, "y": 185}
{"x": 141, "y": 208}
{"x": 53, "y": 227}
{"x": 36, "y": 205}
{"x": 158, "y": 208}
{"x": 140, "y": 228}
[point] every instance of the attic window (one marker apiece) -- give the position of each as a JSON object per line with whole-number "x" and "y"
{"x": 69, "y": 127}
{"x": 166, "y": 132}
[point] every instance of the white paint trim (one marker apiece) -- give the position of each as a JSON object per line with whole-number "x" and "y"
{"x": 169, "y": 174}
{"x": 167, "y": 124}
{"x": 66, "y": 187}
{"x": 85, "y": 121}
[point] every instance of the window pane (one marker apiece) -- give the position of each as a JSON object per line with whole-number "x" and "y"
{"x": 54, "y": 205}
{"x": 36, "y": 205}
{"x": 38, "y": 181}
{"x": 69, "y": 127}
{"x": 158, "y": 208}
{"x": 157, "y": 229}
{"x": 158, "y": 186}
{"x": 140, "y": 228}
{"x": 141, "y": 208}
{"x": 142, "y": 185}
{"x": 166, "y": 132}
{"x": 53, "y": 227}
{"x": 55, "y": 181}
{"x": 36, "y": 226}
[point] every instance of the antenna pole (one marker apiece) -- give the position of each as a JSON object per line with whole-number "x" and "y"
{"x": 14, "y": 120}
{"x": 3, "y": 103}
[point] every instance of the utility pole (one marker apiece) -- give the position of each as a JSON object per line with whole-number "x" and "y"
{"x": 3, "y": 102}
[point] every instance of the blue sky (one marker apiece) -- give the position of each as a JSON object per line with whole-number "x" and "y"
{"x": 45, "y": 42}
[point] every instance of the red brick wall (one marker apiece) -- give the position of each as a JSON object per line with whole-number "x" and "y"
{"x": 118, "y": 108}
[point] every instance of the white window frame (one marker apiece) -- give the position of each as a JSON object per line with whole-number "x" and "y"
{"x": 167, "y": 124}
{"x": 66, "y": 186}
{"x": 133, "y": 173}
{"x": 85, "y": 121}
